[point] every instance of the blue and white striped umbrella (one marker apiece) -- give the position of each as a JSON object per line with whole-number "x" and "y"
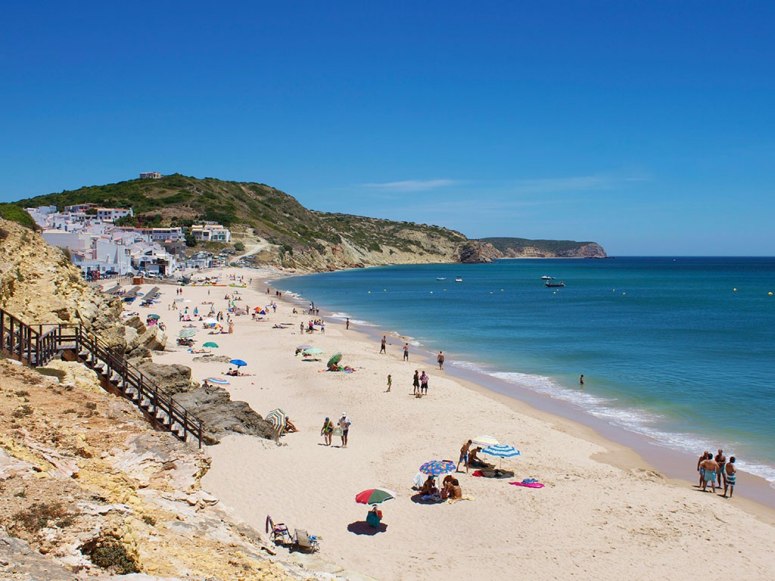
{"x": 501, "y": 451}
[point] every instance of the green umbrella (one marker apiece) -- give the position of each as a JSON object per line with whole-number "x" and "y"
{"x": 211, "y": 344}
{"x": 153, "y": 316}
{"x": 336, "y": 358}
{"x": 187, "y": 333}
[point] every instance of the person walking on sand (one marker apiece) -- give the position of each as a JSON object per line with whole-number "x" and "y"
{"x": 389, "y": 383}
{"x": 730, "y": 476}
{"x": 383, "y": 344}
{"x": 424, "y": 383}
{"x": 327, "y": 430}
{"x": 440, "y": 360}
{"x": 416, "y": 383}
{"x": 463, "y": 459}
{"x": 406, "y": 351}
{"x": 347, "y": 324}
{"x": 344, "y": 425}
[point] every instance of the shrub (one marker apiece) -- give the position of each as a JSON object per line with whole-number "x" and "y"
{"x": 40, "y": 514}
{"x": 108, "y": 552}
{"x": 239, "y": 247}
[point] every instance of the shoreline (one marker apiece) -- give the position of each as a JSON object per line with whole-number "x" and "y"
{"x": 674, "y": 463}
{"x": 601, "y": 506}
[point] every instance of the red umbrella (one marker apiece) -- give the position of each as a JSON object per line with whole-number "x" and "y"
{"x": 374, "y": 496}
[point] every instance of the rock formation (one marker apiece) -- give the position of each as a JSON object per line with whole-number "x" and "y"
{"x": 88, "y": 488}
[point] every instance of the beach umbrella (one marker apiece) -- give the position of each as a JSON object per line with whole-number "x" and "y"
{"x": 187, "y": 333}
{"x": 210, "y": 321}
{"x": 374, "y": 496}
{"x": 303, "y": 347}
{"x": 211, "y": 344}
{"x": 238, "y": 362}
{"x": 277, "y": 418}
{"x": 153, "y": 316}
{"x": 438, "y": 467}
{"x": 485, "y": 441}
{"x": 217, "y": 381}
{"x": 501, "y": 451}
{"x": 335, "y": 358}
{"x": 312, "y": 351}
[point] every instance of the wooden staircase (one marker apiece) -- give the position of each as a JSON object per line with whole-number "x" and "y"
{"x": 35, "y": 346}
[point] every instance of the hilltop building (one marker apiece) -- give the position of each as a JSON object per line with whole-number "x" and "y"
{"x": 150, "y": 175}
{"x": 210, "y": 232}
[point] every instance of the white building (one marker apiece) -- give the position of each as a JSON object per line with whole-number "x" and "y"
{"x": 67, "y": 239}
{"x": 113, "y": 214}
{"x": 150, "y": 175}
{"x": 210, "y": 233}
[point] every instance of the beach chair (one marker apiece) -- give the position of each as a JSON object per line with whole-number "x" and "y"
{"x": 279, "y": 533}
{"x": 306, "y": 542}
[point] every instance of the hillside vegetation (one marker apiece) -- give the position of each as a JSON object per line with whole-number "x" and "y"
{"x": 298, "y": 237}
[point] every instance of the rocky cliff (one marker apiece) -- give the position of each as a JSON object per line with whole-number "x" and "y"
{"x": 88, "y": 489}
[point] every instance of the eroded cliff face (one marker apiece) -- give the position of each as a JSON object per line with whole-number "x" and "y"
{"x": 39, "y": 284}
{"x": 589, "y": 250}
{"x": 87, "y": 487}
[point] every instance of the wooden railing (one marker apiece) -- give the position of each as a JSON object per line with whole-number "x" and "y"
{"x": 37, "y": 346}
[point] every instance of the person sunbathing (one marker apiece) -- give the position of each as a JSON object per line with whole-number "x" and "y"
{"x": 289, "y": 427}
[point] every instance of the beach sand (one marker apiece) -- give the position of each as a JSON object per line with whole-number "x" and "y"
{"x": 604, "y": 513}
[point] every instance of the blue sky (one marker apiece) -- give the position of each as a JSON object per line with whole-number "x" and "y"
{"x": 645, "y": 126}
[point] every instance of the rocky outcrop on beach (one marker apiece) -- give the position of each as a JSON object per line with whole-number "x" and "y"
{"x": 89, "y": 489}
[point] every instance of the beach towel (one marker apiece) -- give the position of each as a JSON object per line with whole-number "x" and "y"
{"x": 477, "y": 473}
{"x": 528, "y": 483}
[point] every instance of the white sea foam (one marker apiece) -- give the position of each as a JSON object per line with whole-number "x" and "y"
{"x": 635, "y": 420}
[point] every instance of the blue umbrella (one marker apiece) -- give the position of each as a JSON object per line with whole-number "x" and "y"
{"x": 438, "y": 467}
{"x": 238, "y": 362}
{"x": 501, "y": 451}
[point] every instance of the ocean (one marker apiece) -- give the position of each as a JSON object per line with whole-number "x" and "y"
{"x": 679, "y": 350}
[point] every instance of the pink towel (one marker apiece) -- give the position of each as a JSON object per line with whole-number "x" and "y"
{"x": 528, "y": 484}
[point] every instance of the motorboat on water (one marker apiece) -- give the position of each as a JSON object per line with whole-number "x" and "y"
{"x": 547, "y": 277}
{"x": 458, "y": 279}
{"x": 549, "y": 284}
{"x": 441, "y": 278}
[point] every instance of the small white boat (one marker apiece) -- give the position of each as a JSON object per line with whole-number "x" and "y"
{"x": 458, "y": 279}
{"x": 441, "y": 278}
{"x": 547, "y": 277}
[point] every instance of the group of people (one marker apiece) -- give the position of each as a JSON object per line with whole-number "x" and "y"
{"x": 341, "y": 429}
{"x": 450, "y": 488}
{"x": 469, "y": 457}
{"x": 715, "y": 469}
{"x": 420, "y": 383}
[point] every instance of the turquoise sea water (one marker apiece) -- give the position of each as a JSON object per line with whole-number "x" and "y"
{"x": 668, "y": 347}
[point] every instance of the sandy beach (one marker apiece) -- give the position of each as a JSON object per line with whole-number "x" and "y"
{"x": 603, "y": 512}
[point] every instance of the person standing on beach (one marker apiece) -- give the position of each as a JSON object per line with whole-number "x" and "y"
{"x": 701, "y": 459}
{"x": 389, "y": 383}
{"x": 347, "y": 324}
{"x": 464, "y": 455}
{"x": 344, "y": 425}
{"x": 327, "y": 430}
{"x": 721, "y": 460}
{"x": 730, "y": 476}
{"x": 440, "y": 360}
{"x": 383, "y": 344}
{"x": 424, "y": 383}
{"x": 406, "y": 351}
{"x": 581, "y": 380}
{"x": 710, "y": 467}
{"x": 416, "y": 383}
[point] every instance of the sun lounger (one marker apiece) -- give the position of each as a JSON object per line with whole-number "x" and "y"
{"x": 306, "y": 542}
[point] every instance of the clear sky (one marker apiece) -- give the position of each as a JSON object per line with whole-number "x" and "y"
{"x": 647, "y": 126}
